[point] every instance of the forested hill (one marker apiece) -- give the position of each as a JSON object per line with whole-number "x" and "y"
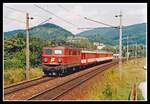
{"x": 46, "y": 31}
{"x": 108, "y": 35}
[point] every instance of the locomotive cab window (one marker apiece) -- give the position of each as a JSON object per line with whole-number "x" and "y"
{"x": 48, "y": 51}
{"x": 58, "y": 51}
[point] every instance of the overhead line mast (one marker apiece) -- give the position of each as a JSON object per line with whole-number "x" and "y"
{"x": 127, "y": 49}
{"x": 27, "y": 46}
{"x": 120, "y": 44}
{"x": 120, "y": 36}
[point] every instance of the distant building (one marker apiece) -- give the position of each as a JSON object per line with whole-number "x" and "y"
{"x": 99, "y": 45}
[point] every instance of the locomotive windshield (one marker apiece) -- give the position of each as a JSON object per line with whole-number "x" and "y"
{"x": 48, "y": 51}
{"x": 57, "y": 51}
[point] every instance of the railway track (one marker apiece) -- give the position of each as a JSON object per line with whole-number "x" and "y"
{"x": 25, "y": 84}
{"x": 60, "y": 90}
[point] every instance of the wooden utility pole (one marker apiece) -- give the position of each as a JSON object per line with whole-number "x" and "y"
{"x": 27, "y": 46}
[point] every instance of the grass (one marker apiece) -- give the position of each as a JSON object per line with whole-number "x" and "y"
{"x": 16, "y": 75}
{"x": 110, "y": 87}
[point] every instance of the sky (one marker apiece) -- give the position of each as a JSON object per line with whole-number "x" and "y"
{"x": 74, "y": 13}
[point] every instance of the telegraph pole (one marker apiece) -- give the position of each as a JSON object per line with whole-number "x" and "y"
{"x": 27, "y": 46}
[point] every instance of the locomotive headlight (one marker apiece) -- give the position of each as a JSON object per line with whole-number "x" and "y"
{"x": 59, "y": 60}
{"x": 45, "y": 59}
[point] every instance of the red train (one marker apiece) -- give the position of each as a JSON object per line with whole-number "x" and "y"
{"x": 60, "y": 60}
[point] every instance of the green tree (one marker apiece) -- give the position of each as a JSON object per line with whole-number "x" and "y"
{"x": 14, "y": 51}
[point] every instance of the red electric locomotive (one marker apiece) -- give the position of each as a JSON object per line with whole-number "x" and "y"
{"x": 60, "y": 60}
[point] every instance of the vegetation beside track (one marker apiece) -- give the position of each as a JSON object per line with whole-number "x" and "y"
{"x": 110, "y": 87}
{"x": 16, "y": 75}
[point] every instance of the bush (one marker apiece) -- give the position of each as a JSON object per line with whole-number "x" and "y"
{"x": 13, "y": 75}
{"x": 16, "y": 61}
{"x": 107, "y": 91}
{"x": 17, "y": 75}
